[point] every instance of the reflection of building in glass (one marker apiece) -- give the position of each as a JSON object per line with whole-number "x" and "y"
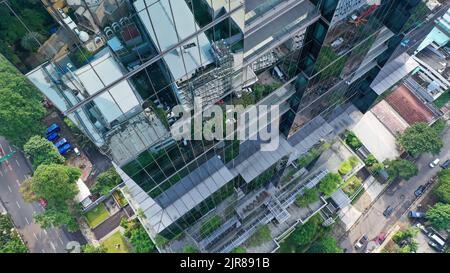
{"x": 117, "y": 68}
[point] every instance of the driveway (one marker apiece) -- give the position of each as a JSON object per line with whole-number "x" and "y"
{"x": 399, "y": 196}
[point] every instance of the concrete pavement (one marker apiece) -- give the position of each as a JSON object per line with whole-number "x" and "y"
{"x": 399, "y": 196}
{"x": 12, "y": 173}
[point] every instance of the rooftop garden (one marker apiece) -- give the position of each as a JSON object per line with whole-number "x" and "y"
{"x": 120, "y": 198}
{"x": 348, "y": 165}
{"x": 210, "y": 226}
{"x": 106, "y": 181}
{"x": 97, "y": 215}
{"x": 352, "y": 140}
{"x": 352, "y": 185}
{"x": 312, "y": 154}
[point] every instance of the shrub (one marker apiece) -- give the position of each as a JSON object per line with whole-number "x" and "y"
{"x": 345, "y": 167}
{"x": 330, "y": 183}
{"x": 352, "y": 140}
{"x": 442, "y": 189}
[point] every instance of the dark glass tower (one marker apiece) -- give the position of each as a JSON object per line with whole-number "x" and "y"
{"x": 117, "y": 68}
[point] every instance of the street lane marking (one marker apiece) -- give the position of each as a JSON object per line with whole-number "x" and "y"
{"x": 53, "y": 246}
{"x": 1, "y": 173}
{"x": 43, "y": 251}
{"x": 35, "y": 236}
{"x": 17, "y": 203}
{"x": 62, "y": 243}
{"x": 9, "y": 188}
{"x": 18, "y": 183}
{"x": 26, "y": 220}
{"x": 17, "y": 163}
{"x": 10, "y": 150}
{"x": 45, "y": 231}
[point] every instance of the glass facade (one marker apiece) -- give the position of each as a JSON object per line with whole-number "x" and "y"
{"x": 116, "y": 68}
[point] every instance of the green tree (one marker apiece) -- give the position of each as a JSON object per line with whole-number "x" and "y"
{"x": 418, "y": 139}
{"x": 10, "y": 241}
{"x": 106, "y": 181}
{"x": 442, "y": 189}
{"x": 330, "y": 183}
{"x": 56, "y": 184}
{"x": 309, "y": 196}
{"x": 327, "y": 244}
{"x": 401, "y": 168}
{"x": 20, "y": 106}
{"x": 439, "y": 215}
{"x": 140, "y": 240}
{"x": 93, "y": 249}
{"x": 306, "y": 233}
{"x": 352, "y": 140}
{"x": 60, "y": 216}
{"x": 42, "y": 151}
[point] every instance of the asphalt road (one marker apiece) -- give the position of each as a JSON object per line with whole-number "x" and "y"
{"x": 12, "y": 173}
{"x": 399, "y": 196}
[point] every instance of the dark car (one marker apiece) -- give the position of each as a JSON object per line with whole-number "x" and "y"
{"x": 388, "y": 211}
{"x": 446, "y": 164}
{"x": 63, "y": 149}
{"x": 53, "y": 136}
{"x": 420, "y": 190}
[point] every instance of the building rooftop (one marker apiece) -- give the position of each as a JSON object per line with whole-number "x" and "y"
{"x": 408, "y": 106}
{"x": 389, "y": 117}
{"x": 166, "y": 32}
{"x": 100, "y": 72}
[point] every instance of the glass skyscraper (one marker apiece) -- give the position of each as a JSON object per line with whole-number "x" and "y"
{"x": 116, "y": 68}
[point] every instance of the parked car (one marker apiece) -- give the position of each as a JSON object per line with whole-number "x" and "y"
{"x": 436, "y": 245}
{"x": 416, "y": 215}
{"x": 381, "y": 238}
{"x": 52, "y": 137}
{"x": 53, "y": 128}
{"x": 388, "y": 211}
{"x": 76, "y": 151}
{"x": 434, "y": 163}
{"x": 361, "y": 242}
{"x": 64, "y": 149}
{"x": 446, "y": 164}
{"x": 42, "y": 202}
{"x": 420, "y": 190}
{"x": 61, "y": 143}
{"x": 422, "y": 228}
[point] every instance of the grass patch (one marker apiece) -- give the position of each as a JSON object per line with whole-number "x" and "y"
{"x": 116, "y": 243}
{"x": 443, "y": 99}
{"x": 348, "y": 165}
{"x": 97, "y": 215}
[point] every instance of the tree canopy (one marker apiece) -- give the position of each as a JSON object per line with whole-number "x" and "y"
{"x": 442, "y": 189}
{"x": 56, "y": 184}
{"x": 137, "y": 236}
{"x": 439, "y": 215}
{"x": 309, "y": 196}
{"x": 330, "y": 183}
{"x": 106, "y": 181}
{"x": 306, "y": 233}
{"x": 9, "y": 238}
{"x": 20, "y": 106}
{"x": 419, "y": 138}
{"x": 401, "y": 168}
{"x": 326, "y": 244}
{"x": 42, "y": 151}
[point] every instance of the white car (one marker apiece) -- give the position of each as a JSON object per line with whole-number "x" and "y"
{"x": 76, "y": 151}
{"x": 434, "y": 163}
